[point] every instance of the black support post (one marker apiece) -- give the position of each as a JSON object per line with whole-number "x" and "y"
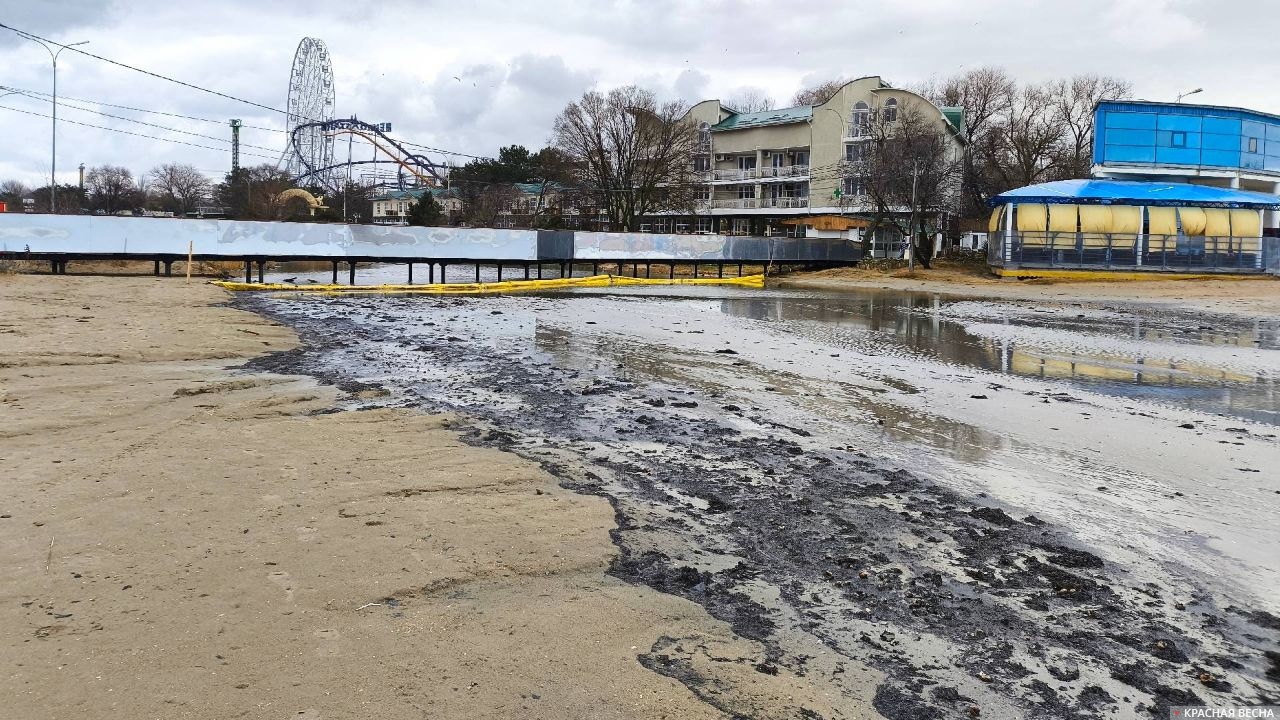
{"x": 526, "y": 271}
{"x": 499, "y": 272}
{"x": 595, "y": 268}
{"x": 539, "y": 271}
{"x": 477, "y": 272}
{"x": 351, "y": 272}
{"x": 431, "y": 273}
{"x": 335, "y": 273}
{"x": 262, "y": 265}
{"x": 442, "y": 267}
{"x": 647, "y": 268}
{"x": 248, "y": 270}
{"x": 739, "y": 269}
{"x": 695, "y": 269}
{"x": 157, "y": 266}
{"x": 410, "y": 273}
{"x": 719, "y": 270}
{"x": 673, "y": 272}
{"x": 168, "y": 268}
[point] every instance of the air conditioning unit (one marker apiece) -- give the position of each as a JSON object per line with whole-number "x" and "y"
{"x": 721, "y": 158}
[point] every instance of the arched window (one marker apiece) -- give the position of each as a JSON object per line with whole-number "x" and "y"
{"x": 890, "y": 110}
{"x": 704, "y": 133}
{"x": 860, "y": 122}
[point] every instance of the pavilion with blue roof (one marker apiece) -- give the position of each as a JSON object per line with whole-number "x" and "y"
{"x": 1134, "y": 225}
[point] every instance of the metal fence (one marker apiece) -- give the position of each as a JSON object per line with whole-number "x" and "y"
{"x": 1128, "y": 251}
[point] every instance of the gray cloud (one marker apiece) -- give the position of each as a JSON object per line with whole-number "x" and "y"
{"x": 518, "y": 64}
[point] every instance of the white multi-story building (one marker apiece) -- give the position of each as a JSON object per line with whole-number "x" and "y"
{"x": 764, "y": 168}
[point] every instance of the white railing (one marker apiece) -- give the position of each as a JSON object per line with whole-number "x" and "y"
{"x": 738, "y": 204}
{"x": 781, "y": 171}
{"x": 785, "y": 202}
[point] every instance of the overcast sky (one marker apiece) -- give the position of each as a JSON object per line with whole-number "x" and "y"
{"x": 473, "y": 76}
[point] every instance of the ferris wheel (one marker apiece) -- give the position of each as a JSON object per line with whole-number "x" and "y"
{"x": 311, "y": 101}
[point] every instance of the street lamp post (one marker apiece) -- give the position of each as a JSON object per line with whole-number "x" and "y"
{"x": 53, "y": 142}
{"x": 1189, "y": 92}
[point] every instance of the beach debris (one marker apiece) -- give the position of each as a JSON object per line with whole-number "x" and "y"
{"x": 367, "y": 605}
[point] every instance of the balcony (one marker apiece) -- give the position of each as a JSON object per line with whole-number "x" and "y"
{"x": 761, "y": 203}
{"x": 785, "y": 202}
{"x": 760, "y": 173}
{"x": 736, "y": 204}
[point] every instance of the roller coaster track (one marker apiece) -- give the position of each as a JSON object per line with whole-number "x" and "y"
{"x": 420, "y": 166}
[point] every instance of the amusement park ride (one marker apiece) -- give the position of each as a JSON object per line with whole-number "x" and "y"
{"x": 312, "y": 129}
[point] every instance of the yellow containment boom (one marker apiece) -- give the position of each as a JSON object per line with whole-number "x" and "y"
{"x": 493, "y": 288}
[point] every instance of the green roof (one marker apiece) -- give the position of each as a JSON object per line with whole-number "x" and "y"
{"x": 784, "y": 116}
{"x": 955, "y": 116}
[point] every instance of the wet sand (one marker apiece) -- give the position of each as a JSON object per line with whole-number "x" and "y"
{"x": 1253, "y": 297}
{"x": 185, "y": 539}
{"x": 1031, "y": 509}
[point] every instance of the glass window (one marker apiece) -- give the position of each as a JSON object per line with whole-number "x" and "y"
{"x": 861, "y": 119}
{"x": 855, "y": 152}
{"x": 702, "y": 163}
{"x": 1178, "y": 139}
{"x": 854, "y": 187}
{"x": 1253, "y": 145}
{"x": 890, "y": 110}
{"x": 802, "y": 157}
{"x": 746, "y": 192}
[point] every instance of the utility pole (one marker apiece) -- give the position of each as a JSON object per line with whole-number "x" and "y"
{"x": 911, "y": 244}
{"x": 235, "y": 145}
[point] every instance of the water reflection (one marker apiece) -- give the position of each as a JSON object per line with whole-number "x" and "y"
{"x": 1117, "y": 352}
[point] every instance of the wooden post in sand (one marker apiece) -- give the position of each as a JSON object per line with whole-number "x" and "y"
{"x": 191, "y": 248}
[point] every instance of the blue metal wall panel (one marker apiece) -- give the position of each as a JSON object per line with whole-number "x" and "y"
{"x": 1177, "y": 122}
{"x": 1220, "y": 125}
{"x": 1178, "y": 156}
{"x": 1130, "y": 153}
{"x": 1133, "y": 120}
{"x": 1122, "y": 136}
{"x": 1135, "y": 132}
{"x": 1220, "y": 158}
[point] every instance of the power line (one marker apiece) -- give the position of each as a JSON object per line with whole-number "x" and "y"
{"x": 126, "y": 132}
{"x": 62, "y": 98}
{"x": 159, "y": 127}
{"x": 144, "y": 72}
{"x": 204, "y": 89}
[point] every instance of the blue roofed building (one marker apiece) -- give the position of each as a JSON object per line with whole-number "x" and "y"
{"x": 1175, "y": 188}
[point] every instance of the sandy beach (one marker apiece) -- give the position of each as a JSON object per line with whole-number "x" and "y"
{"x": 185, "y": 539}
{"x": 1247, "y": 296}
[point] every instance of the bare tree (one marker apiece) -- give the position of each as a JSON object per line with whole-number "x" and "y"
{"x": 634, "y": 154}
{"x": 111, "y": 189}
{"x": 13, "y": 191}
{"x": 1029, "y": 138}
{"x": 818, "y": 93}
{"x": 180, "y": 188}
{"x": 985, "y": 93}
{"x": 1073, "y": 102}
{"x": 749, "y": 100}
{"x": 910, "y": 172}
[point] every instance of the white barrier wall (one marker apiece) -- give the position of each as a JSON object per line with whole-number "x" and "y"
{"x": 235, "y": 238}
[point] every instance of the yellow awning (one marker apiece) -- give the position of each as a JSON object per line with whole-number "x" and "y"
{"x": 1162, "y": 221}
{"x": 1246, "y": 223}
{"x": 1032, "y": 217}
{"x": 994, "y": 224}
{"x": 1217, "y": 222}
{"x": 1095, "y": 218}
{"x": 1193, "y": 220}
{"x": 1126, "y": 219}
{"x": 1062, "y": 218}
